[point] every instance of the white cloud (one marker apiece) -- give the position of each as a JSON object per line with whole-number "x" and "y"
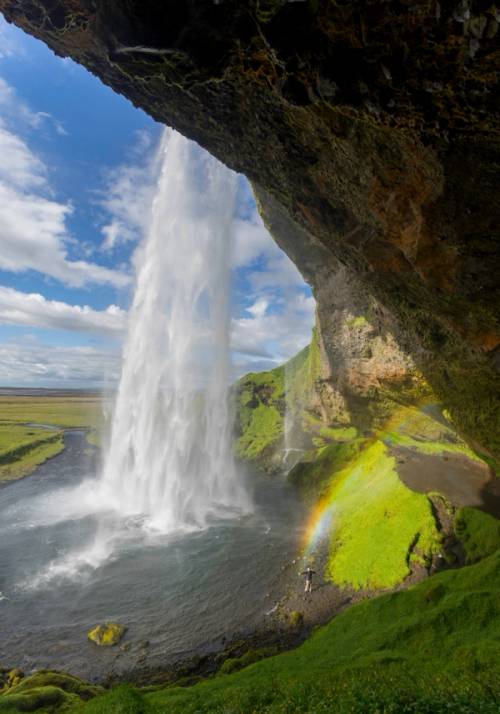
{"x": 9, "y": 45}
{"x": 29, "y": 362}
{"x": 275, "y": 335}
{"x": 128, "y": 196}
{"x": 33, "y": 230}
{"x": 18, "y": 112}
{"x": 252, "y": 241}
{"x": 19, "y": 166}
{"x": 278, "y": 322}
{"x": 258, "y": 309}
{"x": 32, "y": 309}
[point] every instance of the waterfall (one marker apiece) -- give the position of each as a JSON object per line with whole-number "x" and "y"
{"x": 169, "y": 458}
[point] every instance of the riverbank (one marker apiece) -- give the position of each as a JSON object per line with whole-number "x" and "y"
{"x": 431, "y": 648}
{"x": 32, "y": 424}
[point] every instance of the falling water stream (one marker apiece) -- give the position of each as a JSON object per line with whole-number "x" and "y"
{"x": 163, "y": 536}
{"x": 170, "y": 455}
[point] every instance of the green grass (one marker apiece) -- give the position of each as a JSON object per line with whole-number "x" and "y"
{"x": 260, "y": 413}
{"x": 78, "y": 411}
{"x": 431, "y": 649}
{"x": 379, "y": 525}
{"x": 420, "y": 432}
{"x": 479, "y": 533}
{"x": 340, "y": 433}
{"x": 23, "y": 448}
{"x": 301, "y": 373}
{"x": 313, "y": 477}
{"x": 262, "y": 398}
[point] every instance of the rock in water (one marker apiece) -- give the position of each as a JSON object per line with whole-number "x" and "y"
{"x": 107, "y": 635}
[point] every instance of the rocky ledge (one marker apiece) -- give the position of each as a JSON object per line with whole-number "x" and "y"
{"x": 370, "y": 130}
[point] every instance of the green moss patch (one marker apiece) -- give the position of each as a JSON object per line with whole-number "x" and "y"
{"x": 414, "y": 429}
{"x": 313, "y": 477}
{"x": 380, "y": 527}
{"x": 479, "y": 533}
{"x": 263, "y": 398}
{"x": 260, "y": 413}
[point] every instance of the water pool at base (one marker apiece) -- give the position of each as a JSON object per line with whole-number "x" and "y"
{"x": 62, "y": 571}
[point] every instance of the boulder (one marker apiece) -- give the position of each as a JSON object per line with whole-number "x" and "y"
{"x": 107, "y": 635}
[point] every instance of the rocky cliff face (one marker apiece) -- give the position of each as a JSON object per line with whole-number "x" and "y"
{"x": 371, "y": 126}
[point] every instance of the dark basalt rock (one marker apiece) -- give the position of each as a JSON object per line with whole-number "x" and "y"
{"x": 373, "y": 126}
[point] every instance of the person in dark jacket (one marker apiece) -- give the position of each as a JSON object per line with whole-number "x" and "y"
{"x": 308, "y": 572}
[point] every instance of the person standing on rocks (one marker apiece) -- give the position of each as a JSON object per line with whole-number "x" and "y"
{"x": 308, "y": 572}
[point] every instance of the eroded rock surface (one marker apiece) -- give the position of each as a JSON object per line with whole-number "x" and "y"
{"x": 372, "y": 126}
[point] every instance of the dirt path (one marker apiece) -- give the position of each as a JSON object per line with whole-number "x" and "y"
{"x": 462, "y": 481}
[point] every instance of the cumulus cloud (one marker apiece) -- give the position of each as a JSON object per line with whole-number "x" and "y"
{"x": 33, "y": 310}
{"x": 29, "y": 362}
{"x": 278, "y": 312}
{"x": 128, "y": 196}
{"x": 9, "y": 45}
{"x": 16, "y": 110}
{"x": 33, "y": 230}
{"x": 273, "y": 335}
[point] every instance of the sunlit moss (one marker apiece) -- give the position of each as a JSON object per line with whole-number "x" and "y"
{"x": 379, "y": 524}
{"x": 479, "y": 532}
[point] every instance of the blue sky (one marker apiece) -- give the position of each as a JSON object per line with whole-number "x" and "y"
{"x": 76, "y": 182}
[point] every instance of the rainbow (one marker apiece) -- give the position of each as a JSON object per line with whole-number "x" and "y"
{"x": 321, "y": 519}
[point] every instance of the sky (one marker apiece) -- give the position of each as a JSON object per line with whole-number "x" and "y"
{"x": 76, "y": 186}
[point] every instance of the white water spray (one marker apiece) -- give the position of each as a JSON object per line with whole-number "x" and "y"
{"x": 170, "y": 457}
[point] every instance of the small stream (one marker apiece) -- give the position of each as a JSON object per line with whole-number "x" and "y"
{"x": 66, "y": 565}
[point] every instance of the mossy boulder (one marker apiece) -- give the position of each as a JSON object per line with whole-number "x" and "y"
{"x": 107, "y": 635}
{"x": 296, "y": 618}
{"x": 47, "y": 699}
{"x": 45, "y": 690}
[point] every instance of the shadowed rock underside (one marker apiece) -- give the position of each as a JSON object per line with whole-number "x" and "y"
{"x": 370, "y": 128}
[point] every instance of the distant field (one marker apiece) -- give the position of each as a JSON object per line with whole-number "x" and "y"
{"x": 56, "y": 411}
{"x": 24, "y": 444}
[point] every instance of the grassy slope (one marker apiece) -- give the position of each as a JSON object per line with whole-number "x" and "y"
{"x": 260, "y": 408}
{"x": 263, "y": 397}
{"x": 432, "y": 648}
{"x": 479, "y": 532}
{"x": 378, "y": 526}
{"x": 22, "y": 447}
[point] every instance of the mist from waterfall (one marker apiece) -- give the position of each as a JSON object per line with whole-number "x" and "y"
{"x": 169, "y": 458}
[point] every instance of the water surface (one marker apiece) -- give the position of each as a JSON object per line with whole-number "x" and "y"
{"x": 65, "y": 568}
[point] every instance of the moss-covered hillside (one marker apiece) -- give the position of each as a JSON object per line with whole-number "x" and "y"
{"x": 268, "y": 404}
{"x": 389, "y": 504}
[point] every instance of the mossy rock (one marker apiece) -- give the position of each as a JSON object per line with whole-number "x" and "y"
{"x": 107, "y": 635}
{"x": 296, "y": 618}
{"x": 60, "y": 680}
{"x": 48, "y": 699}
